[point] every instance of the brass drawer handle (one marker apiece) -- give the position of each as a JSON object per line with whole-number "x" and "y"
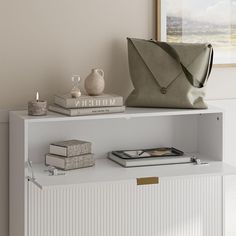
{"x": 147, "y": 180}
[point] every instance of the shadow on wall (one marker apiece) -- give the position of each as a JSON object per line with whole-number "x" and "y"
{"x": 117, "y": 78}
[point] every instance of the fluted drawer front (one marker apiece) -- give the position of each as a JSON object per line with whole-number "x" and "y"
{"x": 189, "y": 206}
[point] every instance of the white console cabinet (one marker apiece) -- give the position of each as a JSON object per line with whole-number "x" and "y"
{"x": 106, "y": 200}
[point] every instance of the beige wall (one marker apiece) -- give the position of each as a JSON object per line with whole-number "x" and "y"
{"x": 3, "y": 179}
{"x": 44, "y": 42}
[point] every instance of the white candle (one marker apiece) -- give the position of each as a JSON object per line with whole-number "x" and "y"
{"x": 37, "y": 107}
{"x": 37, "y": 96}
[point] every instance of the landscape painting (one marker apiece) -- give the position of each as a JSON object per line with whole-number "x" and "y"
{"x": 200, "y": 21}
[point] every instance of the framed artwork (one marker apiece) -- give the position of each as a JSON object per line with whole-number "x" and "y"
{"x": 199, "y": 21}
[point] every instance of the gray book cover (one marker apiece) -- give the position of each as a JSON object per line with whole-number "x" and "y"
{"x": 70, "y": 163}
{"x": 70, "y": 148}
{"x": 85, "y": 101}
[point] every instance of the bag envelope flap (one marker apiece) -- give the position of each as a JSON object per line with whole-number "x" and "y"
{"x": 196, "y": 58}
{"x": 188, "y": 52}
{"x": 157, "y": 61}
{"x": 164, "y": 68}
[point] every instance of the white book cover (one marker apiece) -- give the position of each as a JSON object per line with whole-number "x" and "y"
{"x": 84, "y": 101}
{"x": 86, "y": 111}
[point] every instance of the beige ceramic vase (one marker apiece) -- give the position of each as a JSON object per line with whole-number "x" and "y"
{"x": 94, "y": 83}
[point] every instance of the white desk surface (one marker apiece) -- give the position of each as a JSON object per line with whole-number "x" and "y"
{"x": 106, "y": 170}
{"x": 129, "y": 113}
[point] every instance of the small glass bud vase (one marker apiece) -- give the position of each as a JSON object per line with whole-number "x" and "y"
{"x": 75, "y": 91}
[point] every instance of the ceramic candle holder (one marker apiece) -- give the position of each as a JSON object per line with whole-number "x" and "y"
{"x": 37, "y": 108}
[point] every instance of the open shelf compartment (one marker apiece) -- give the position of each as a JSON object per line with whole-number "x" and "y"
{"x": 192, "y": 131}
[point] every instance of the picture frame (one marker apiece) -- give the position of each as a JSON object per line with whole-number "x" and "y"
{"x": 176, "y": 23}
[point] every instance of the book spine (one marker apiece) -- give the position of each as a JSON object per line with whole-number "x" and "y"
{"x": 89, "y": 102}
{"x": 79, "y": 149}
{"x": 59, "y": 110}
{"x": 94, "y": 111}
{"x": 79, "y": 162}
{"x": 60, "y": 101}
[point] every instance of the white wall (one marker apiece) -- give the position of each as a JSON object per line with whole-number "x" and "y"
{"x": 222, "y": 83}
{"x": 44, "y": 42}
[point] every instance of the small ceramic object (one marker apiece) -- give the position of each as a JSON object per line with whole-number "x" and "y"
{"x": 94, "y": 83}
{"x": 37, "y": 107}
{"x": 75, "y": 91}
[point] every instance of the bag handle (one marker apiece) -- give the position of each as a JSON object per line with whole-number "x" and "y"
{"x": 172, "y": 52}
{"x": 208, "y": 72}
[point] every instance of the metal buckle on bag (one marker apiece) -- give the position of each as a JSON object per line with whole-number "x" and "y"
{"x": 163, "y": 90}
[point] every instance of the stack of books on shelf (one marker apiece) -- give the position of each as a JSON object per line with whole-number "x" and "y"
{"x": 69, "y": 155}
{"x": 150, "y": 157}
{"x": 87, "y": 105}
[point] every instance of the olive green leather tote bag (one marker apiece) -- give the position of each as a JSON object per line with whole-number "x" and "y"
{"x": 171, "y": 75}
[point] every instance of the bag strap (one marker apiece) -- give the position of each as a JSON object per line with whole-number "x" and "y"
{"x": 172, "y": 52}
{"x": 208, "y": 72}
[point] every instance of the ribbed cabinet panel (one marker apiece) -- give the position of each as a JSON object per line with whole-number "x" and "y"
{"x": 190, "y": 206}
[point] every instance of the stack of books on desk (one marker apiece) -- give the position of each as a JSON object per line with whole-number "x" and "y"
{"x": 87, "y": 105}
{"x": 69, "y": 155}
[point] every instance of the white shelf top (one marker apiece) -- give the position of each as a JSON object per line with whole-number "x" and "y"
{"x": 129, "y": 113}
{"x": 106, "y": 170}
